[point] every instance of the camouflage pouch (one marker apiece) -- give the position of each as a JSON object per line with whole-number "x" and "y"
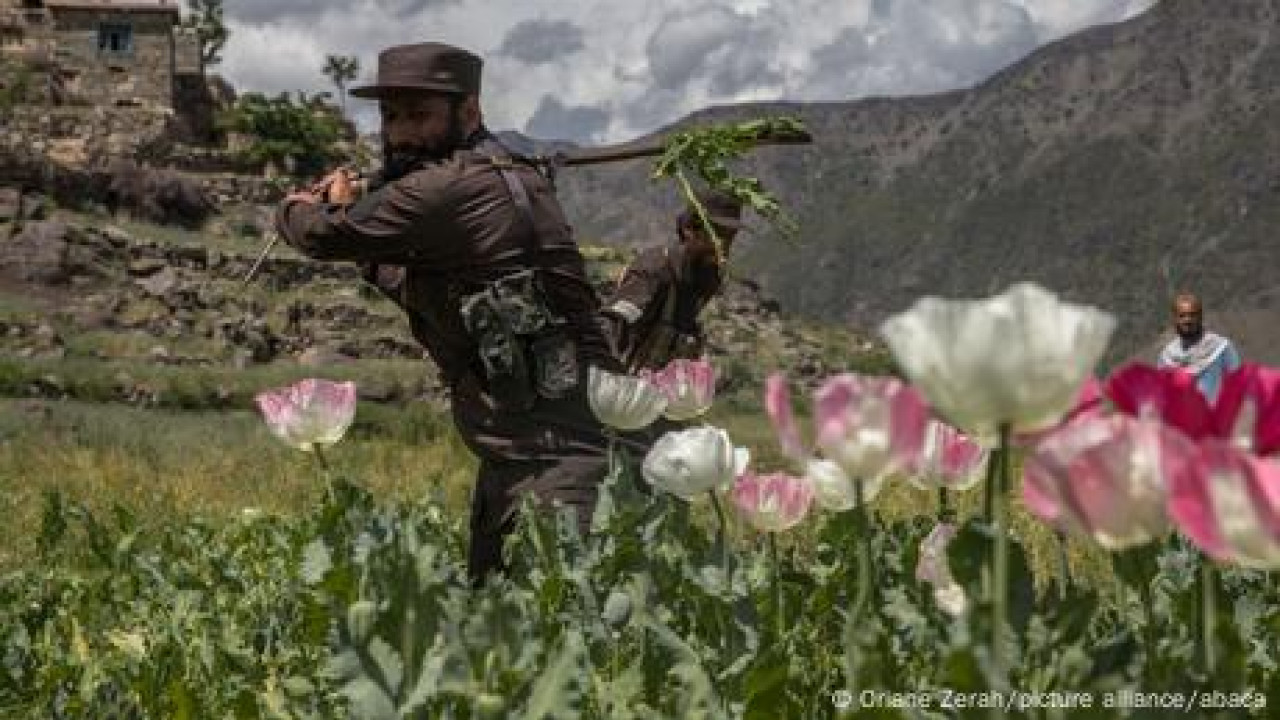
{"x": 520, "y": 299}
{"x": 501, "y": 351}
{"x": 523, "y": 346}
{"x": 555, "y": 363}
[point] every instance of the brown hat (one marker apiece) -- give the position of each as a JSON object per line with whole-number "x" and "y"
{"x": 425, "y": 66}
{"x": 723, "y": 209}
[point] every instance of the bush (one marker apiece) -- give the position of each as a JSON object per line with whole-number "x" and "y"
{"x": 301, "y": 132}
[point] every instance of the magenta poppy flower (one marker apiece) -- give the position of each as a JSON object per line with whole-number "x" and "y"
{"x": 1168, "y": 394}
{"x": 1227, "y": 501}
{"x": 309, "y": 413}
{"x": 772, "y": 503}
{"x": 1246, "y": 412}
{"x": 689, "y": 386}
{"x": 1106, "y": 478}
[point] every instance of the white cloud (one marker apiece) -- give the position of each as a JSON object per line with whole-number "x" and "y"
{"x": 609, "y": 70}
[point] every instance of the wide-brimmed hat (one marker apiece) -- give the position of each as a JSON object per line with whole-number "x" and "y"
{"x": 723, "y": 209}
{"x": 425, "y": 66}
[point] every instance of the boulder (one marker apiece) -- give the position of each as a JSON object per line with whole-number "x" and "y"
{"x": 37, "y": 254}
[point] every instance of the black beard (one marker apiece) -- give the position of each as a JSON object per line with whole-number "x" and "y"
{"x": 1192, "y": 335}
{"x": 400, "y": 160}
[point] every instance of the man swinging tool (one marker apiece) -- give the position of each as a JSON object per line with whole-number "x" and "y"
{"x": 473, "y": 246}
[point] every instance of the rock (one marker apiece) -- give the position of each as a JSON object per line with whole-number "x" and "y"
{"x": 117, "y": 237}
{"x": 34, "y": 206}
{"x": 10, "y": 205}
{"x": 161, "y": 283}
{"x": 37, "y": 254}
{"x": 322, "y": 357}
{"x": 146, "y": 266}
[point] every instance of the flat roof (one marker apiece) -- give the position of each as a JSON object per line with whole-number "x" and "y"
{"x": 125, "y": 5}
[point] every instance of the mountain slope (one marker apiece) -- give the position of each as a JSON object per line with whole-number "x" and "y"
{"x": 1114, "y": 166}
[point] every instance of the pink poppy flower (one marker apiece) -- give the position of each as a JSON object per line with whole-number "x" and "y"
{"x": 689, "y": 386}
{"x": 933, "y": 568}
{"x": 870, "y": 426}
{"x": 1247, "y": 411}
{"x": 948, "y": 458}
{"x": 1106, "y": 478}
{"x": 309, "y": 413}
{"x": 772, "y": 503}
{"x": 1227, "y": 501}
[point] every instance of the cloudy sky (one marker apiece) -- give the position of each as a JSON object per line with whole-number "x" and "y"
{"x": 605, "y": 71}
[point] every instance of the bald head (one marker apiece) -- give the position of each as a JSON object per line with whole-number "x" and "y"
{"x": 1188, "y": 317}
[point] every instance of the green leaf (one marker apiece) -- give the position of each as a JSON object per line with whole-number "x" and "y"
{"x": 557, "y": 691}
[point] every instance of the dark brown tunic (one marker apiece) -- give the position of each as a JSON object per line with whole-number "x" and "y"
{"x": 429, "y": 239}
{"x": 654, "y": 310}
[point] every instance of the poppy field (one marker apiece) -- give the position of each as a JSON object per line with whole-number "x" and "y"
{"x": 724, "y": 581}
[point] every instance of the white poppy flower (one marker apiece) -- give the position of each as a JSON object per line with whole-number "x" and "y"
{"x": 1016, "y": 358}
{"x": 622, "y": 401}
{"x": 687, "y": 463}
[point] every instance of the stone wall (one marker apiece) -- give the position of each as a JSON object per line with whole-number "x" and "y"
{"x": 75, "y": 136}
{"x": 143, "y": 75}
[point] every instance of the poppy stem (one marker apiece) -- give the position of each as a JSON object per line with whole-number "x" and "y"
{"x": 328, "y": 473}
{"x": 722, "y": 537}
{"x": 1208, "y": 614}
{"x": 862, "y": 594}
{"x": 1064, "y": 564}
{"x": 777, "y": 585}
{"x": 1000, "y": 559}
{"x": 944, "y": 504}
{"x": 988, "y": 487}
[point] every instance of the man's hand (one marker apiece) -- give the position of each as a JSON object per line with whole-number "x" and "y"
{"x": 342, "y": 189}
{"x": 338, "y": 187}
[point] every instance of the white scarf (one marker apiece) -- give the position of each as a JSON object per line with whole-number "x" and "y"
{"x": 1195, "y": 358}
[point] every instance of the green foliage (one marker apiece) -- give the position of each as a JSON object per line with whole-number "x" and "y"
{"x": 363, "y": 611}
{"x": 17, "y": 87}
{"x": 341, "y": 69}
{"x": 285, "y": 129}
{"x": 706, "y": 151}
{"x": 205, "y": 18}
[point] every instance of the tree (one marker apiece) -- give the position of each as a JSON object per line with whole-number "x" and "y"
{"x": 205, "y": 18}
{"x": 341, "y": 69}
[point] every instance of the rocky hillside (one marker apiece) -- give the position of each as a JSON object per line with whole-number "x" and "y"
{"x": 81, "y": 291}
{"x": 1114, "y": 166}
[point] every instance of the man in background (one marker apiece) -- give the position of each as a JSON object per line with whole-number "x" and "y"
{"x": 1206, "y": 355}
{"x": 656, "y": 306}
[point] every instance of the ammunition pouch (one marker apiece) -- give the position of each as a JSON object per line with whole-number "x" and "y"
{"x": 525, "y": 349}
